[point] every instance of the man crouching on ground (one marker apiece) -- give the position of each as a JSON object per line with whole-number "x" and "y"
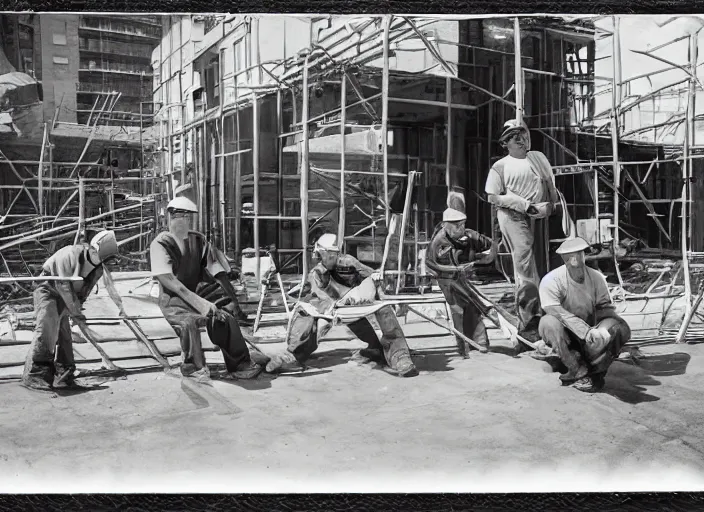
{"x": 50, "y": 363}
{"x": 580, "y": 321}
{"x": 452, "y": 253}
{"x": 180, "y": 260}
{"x": 334, "y": 276}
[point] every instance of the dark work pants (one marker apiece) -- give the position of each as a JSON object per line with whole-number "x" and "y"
{"x": 582, "y": 358}
{"x": 51, "y": 350}
{"x": 466, "y": 317}
{"x": 304, "y": 336}
{"x": 187, "y": 325}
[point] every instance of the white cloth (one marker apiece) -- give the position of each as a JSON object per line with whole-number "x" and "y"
{"x": 519, "y": 177}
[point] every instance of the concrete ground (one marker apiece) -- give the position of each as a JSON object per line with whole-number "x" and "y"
{"x": 494, "y": 422}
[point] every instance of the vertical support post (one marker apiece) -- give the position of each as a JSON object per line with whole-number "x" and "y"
{"x": 255, "y": 177}
{"x": 80, "y": 234}
{"x": 686, "y": 174}
{"x": 518, "y": 69}
{"x": 385, "y": 114}
{"x": 279, "y": 163}
{"x": 615, "y": 107}
{"x": 304, "y": 175}
{"x": 222, "y": 161}
{"x": 343, "y": 121}
{"x": 238, "y": 165}
{"x": 448, "y": 157}
{"x": 40, "y": 175}
{"x": 142, "y": 184}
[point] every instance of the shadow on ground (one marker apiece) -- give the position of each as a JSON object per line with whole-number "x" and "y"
{"x": 626, "y": 380}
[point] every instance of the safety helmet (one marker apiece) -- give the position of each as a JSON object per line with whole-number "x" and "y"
{"x": 183, "y": 204}
{"x": 327, "y": 242}
{"x": 105, "y": 244}
{"x": 452, "y": 215}
{"x": 510, "y": 127}
{"x": 571, "y": 245}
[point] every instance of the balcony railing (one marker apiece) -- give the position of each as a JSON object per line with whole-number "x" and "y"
{"x": 143, "y": 51}
{"x": 109, "y": 87}
{"x": 119, "y": 27}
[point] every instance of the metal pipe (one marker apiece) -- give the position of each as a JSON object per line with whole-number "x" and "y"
{"x": 385, "y": 115}
{"x": 255, "y": 173}
{"x": 304, "y": 175}
{"x": 518, "y": 70}
{"x": 343, "y": 121}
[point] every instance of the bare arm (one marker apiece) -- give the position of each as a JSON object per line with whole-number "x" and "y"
{"x": 68, "y": 294}
{"x": 575, "y": 324}
{"x": 199, "y": 304}
{"x": 509, "y": 200}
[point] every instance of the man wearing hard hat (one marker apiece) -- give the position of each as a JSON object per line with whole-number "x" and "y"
{"x": 580, "y": 321}
{"x": 50, "y": 363}
{"x": 521, "y": 186}
{"x": 335, "y": 276}
{"x": 182, "y": 259}
{"x": 452, "y": 253}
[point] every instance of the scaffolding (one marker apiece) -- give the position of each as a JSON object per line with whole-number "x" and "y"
{"x": 360, "y": 124}
{"x": 48, "y": 203}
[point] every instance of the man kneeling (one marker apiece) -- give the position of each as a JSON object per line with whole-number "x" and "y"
{"x": 330, "y": 280}
{"x": 580, "y": 321}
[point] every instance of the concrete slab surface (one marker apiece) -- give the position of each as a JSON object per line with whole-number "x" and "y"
{"x": 491, "y": 423}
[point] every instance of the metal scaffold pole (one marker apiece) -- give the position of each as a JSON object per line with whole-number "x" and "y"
{"x": 304, "y": 175}
{"x": 385, "y": 115}
{"x": 343, "y": 120}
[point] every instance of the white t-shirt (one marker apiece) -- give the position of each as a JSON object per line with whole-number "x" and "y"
{"x": 519, "y": 177}
{"x": 581, "y": 299}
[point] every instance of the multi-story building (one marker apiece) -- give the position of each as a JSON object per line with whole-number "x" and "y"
{"x": 80, "y": 60}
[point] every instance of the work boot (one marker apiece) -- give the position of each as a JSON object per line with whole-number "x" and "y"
{"x": 585, "y": 385}
{"x": 573, "y": 375}
{"x": 65, "y": 378}
{"x": 200, "y": 375}
{"x": 283, "y": 362}
{"x": 247, "y": 370}
{"x": 405, "y": 367}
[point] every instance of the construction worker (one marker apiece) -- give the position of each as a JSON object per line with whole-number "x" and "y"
{"x": 182, "y": 259}
{"x": 333, "y": 277}
{"x": 580, "y": 323}
{"x": 521, "y": 186}
{"x": 50, "y": 363}
{"x": 452, "y": 253}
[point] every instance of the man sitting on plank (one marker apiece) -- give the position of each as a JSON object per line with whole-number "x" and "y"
{"x": 580, "y": 322}
{"x": 452, "y": 253}
{"x": 180, "y": 260}
{"x": 335, "y": 277}
{"x": 50, "y": 363}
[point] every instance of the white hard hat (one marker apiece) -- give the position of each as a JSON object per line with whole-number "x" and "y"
{"x": 327, "y": 242}
{"x": 452, "y": 215}
{"x": 511, "y": 126}
{"x": 183, "y": 204}
{"x": 571, "y": 245}
{"x": 105, "y": 244}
